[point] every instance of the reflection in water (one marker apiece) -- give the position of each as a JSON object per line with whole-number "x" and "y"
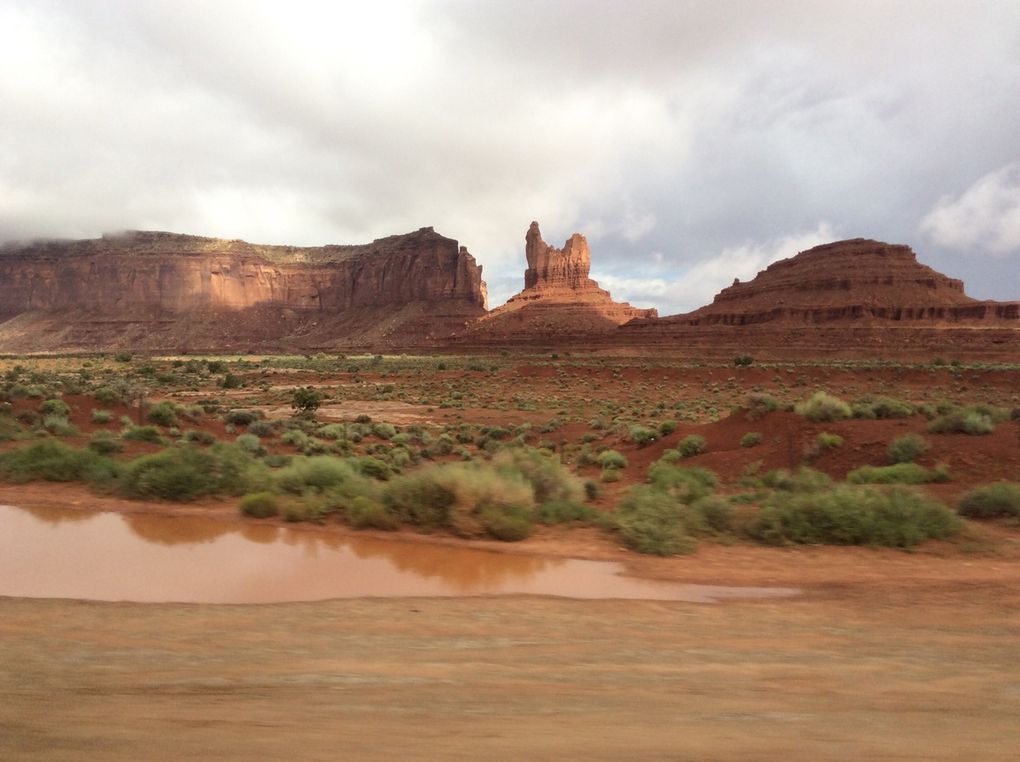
{"x": 63, "y": 553}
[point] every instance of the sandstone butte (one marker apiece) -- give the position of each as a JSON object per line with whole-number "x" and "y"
{"x": 844, "y": 298}
{"x": 559, "y": 300}
{"x": 173, "y": 293}
{"x": 168, "y": 292}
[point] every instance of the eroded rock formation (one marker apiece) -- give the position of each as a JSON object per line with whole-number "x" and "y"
{"x": 559, "y": 299}
{"x": 168, "y": 291}
{"x": 849, "y": 298}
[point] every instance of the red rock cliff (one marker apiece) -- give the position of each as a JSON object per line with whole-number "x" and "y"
{"x": 146, "y": 276}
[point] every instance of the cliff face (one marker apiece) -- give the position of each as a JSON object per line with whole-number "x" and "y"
{"x": 272, "y": 291}
{"x": 559, "y": 299}
{"x": 845, "y": 299}
{"x": 846, "y": 281}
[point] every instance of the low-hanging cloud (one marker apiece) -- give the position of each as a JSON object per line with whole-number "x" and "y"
{"x": 985, "y": 217}
{"x": 669, "y": 131}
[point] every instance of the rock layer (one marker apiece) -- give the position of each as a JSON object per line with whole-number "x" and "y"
{"x": 152, "y": 287}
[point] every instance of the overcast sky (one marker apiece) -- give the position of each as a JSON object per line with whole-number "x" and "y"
{"x": 691, "y": 141}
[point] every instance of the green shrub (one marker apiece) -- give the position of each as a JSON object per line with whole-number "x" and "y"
{"x": 306, "y": 401}
{"x": 54, "y": 461}
{"x": 162, "y": 414}
{"x": 671, "y": 455}
{"x": 106, "y": 396}
{"x": 667, "y": 427}
{"x": 143, "y": 434}
{"x": 199, "y": 436}
{"x": 711, "y": 514}
{"x": 684, "y": 485}
{"x": 315, "y": 474}
{"x": 384, "y": 430}
{"x": 260, "y": 505}
{"x": 759, "y": 405}
{"x": 642, "y": 436}
{"x": 611, "y": 459}
{"x": 822, "y": 407}
{"x": 55, "y": 407}
{"x": 610, "y": 475}
{"x": 59, "y": 426}
{"x": 104, "y": 443}
{"x": 900, "y": 473}
{"x": 364, "y": 513}
{"x": 881, "y": 407}
{"x": 250, "y": 444}
{"x": 750, "y": 439}
{"x": 966, "y": 421}
{"x": 827, "y": 441}
{"x": 804, "y": 480}
{"x": 907, "y": 448}
{"x": 549, "y": 479}
{"x": 562, "y": 512}
{"x": 850, "y": 515}
{"x": 743, "y": 361}
{"x": 372, "y": 468}
{"x": 186, "y": 472}
{"x": 101, "y": 416}
{"x": 466, "y": 499}
{"x": 241, "y": 417}
{"x": 651, "y": 521}
{"x": 991, "y": 501}
{"x": 691, "y": 445}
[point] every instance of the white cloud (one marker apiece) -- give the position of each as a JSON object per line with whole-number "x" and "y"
{"x": 701, "y": 282}
{"x": 985, "y": 217}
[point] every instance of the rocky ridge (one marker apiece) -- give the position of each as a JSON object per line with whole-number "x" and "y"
{"x": 162, "y": 290}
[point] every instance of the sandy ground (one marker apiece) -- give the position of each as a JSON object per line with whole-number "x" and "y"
{"x": 886, "y": 655}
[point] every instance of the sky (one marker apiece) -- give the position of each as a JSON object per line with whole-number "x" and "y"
{"x": 691, "y": 141}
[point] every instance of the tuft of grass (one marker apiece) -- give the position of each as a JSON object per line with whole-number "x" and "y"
{"x": 260, "y": 505}
{"x": 907, "y": 448}
{"x": 822, "y": 407}
{"x": 966, "y": 421}
{"x": 611, "y": 459}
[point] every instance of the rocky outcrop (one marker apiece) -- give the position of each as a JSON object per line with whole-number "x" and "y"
{"x": 854, "y": 280}
{"x": 147, "y": 288}
{"x": 559, "y": 299}
{"x": 845, "y": 299}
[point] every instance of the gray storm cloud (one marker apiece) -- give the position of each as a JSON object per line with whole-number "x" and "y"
{"x": 693, "y": 142}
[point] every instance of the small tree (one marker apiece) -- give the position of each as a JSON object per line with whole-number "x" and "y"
{"x": 306, "y": 401}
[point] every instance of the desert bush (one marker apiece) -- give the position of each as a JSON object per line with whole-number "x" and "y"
{"x": 991, "y": 501}
{"x": 750, "y": 439}
{"x": 667, "y": 427}
{"x": 199, "y": 436}
{"x": 671, "y": 455}
{"x": 610, "y": 475}
{"x": 55, "y": 407}
{"x": 743, "y": 361}
{"x": 306, "y": 401}
{"x": 106, "y": 395}
{"x": 101, "y": 416}
{"x": 364, "y": 513}
{"x": 562, "y": 512}
{"x": 611, "y": 459}
{"x": 185, "y": 472}
{"x": 251, "y": 444}
{"x": 467, "y": 499}
{"x": 759, "y": 405}
{"x": 54, "y": 461}
{"x": 241, "y": 417}
{"x": 373, "y": 468}
{"x": 684, "y": 485}
{"x": 260, "y": 505}
{"x": 651, "y": 521}
{"x": 162, "y": 414}
{"x": 804, "y": 480}
{"x": 899, "y": 473}
{"x": 59, "y": 426}
{"x": 851, "y": 515}
{"x": 881, "y": 407}
{"x": 143, "y": 434}
{"x": 691, "y": 445}
{"x": 318, "y": 473}
{"x": 549, "y": 479}
{"x": 384, "y": 430}
{"x": 907, "y": 448}
{"x": 104, "y": 443}
{"x": 822, "y": 407}
{"x": 827, "y": 441}
{"x": 642, "y": 436}
{"x": 965, "y": 421}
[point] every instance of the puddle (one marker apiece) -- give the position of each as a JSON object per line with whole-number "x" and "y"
{"x": 65, "y": 553}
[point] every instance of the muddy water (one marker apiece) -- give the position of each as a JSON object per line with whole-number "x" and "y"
{"x": 65, "y": 553}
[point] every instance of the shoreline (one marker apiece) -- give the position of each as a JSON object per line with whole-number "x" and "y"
{"x": 988, "y": 558}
